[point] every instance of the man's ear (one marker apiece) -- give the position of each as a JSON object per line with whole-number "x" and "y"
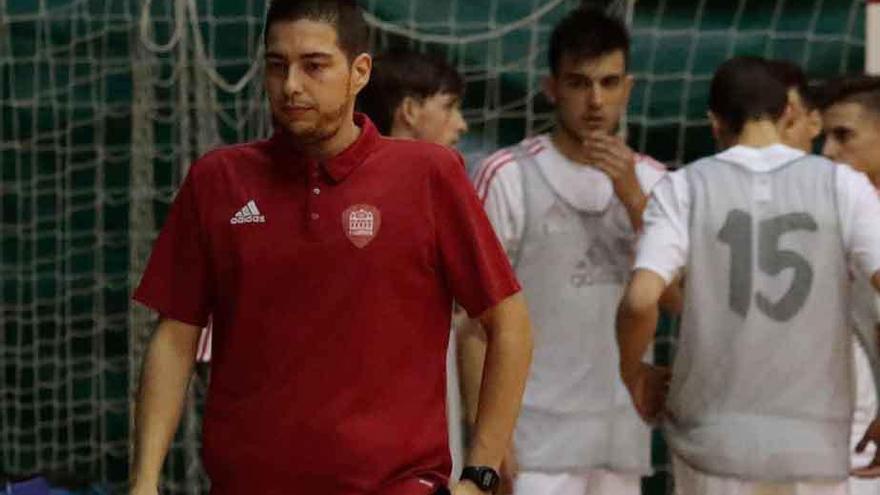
{"x": 814, "y": 119}
{"x": 548, "y": 84}
{"x": 410, "y": 111}
{"x": 719, "y": 130}
{"x": 361, "y": 67}
{"x": 788, "y": 118}
{"x": 628, "y": 82}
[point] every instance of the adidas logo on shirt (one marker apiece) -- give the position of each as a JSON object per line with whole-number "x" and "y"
{"x": 248, "y": 214}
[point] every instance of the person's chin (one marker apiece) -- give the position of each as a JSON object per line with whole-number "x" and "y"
{"x": 302, "y": 131}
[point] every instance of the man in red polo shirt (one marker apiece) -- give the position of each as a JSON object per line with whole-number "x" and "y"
{"x": 329, "y": 264}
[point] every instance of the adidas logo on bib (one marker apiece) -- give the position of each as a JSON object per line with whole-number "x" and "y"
{"x": 248, "y": 214}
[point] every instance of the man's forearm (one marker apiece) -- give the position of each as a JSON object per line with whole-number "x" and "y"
{"x": 471, "y": 342}
{"x": 637, "y": 321}
{"x": 869, "y": 337}
{"x": 508, "y": 355}
{"x": 672, "y": 300}
{"x": 164, "y": 380}
{"x": 635, "y": 204}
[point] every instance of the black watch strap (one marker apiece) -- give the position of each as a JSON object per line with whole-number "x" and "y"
{"x": 484, "y": 477}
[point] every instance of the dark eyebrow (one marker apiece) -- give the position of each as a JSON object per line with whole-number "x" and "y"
{"x": 575, "y": 75}
{"x": 316, "y": 55}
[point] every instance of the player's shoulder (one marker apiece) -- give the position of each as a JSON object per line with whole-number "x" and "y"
{"x": 649, "y": 171}
{"x": 430, "y": 156}
{"x": 217, "y": 161}
{"x": 851, "y": 180}
{"x": 503, "y": 167}
{"x": 816, "y": 161}
{"x": 649, "y": 163}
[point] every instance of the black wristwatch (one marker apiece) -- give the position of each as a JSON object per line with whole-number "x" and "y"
{"x": 484, "y": 477}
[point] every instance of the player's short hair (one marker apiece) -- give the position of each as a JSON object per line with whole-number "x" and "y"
{"x": 745, "y": 88}
{"x": 585, "y": 34}
{"x": 345, "y": 15}
{"x": 401, "y": 73}
{"x": 864, "y": 90}
{"x": 794, "y": 78}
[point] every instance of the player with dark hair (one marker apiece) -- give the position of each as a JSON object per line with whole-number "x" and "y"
{"x": 567, "y": 206}
{"x": 415, "y": 96}
{"x": 851, "y": 112}
{"x": 804, "y": 120}
{"x": 328, "y": 262}
{"x": 851, "y": 120}
{"x": 760, "y": 399}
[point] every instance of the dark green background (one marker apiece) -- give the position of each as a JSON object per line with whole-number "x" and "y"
{"x": 66, "y": 95}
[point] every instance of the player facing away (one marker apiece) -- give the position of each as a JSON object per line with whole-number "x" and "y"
{"x": 566, "y": 206}
{"x": 415, "y": 96}
{"x": 328, "y": 262}
{"x": 851, "y": 107}
{"x": 761, "y": 391}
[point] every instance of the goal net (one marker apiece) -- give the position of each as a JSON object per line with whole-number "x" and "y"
{"x": 104, "y": 103}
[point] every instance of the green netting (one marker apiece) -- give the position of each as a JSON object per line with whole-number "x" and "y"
{"x": 103, "y": 103}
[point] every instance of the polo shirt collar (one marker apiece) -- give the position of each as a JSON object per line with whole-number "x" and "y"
{"x": 339, "y": 167}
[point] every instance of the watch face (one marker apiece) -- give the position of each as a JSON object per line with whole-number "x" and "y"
{"x": 488, "y": 479}
{"x": 485, "y": 478}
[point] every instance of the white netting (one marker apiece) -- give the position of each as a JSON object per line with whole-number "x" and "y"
{"x": 105, "y": 102}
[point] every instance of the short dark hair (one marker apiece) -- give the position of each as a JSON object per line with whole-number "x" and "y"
{"x": 401, "y": 73}
{"x": 745, "y": 88}
{"x": 587, "y": 33}
{"x": 794, "y": 78}
{"x": 345, "y": 15}
{"x": 864, "y": 90}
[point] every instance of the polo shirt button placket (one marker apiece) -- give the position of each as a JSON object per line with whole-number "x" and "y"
{"x": 316, "y": 191}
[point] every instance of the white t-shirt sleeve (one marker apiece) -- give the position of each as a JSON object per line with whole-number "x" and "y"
{"x": 860, "y": 219}
{"x": 499, "y": 187}
{"x": 664, "y": 241}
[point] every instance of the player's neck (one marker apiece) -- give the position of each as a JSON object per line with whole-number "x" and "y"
{"x": 401, "y": 132}
{"x": 758, "y": 134}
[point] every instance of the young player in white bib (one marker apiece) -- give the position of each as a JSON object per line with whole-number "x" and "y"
{"x": 413, "y": 95}
{"x": 760, "y": 399}
{"x": 566, "y": 206}
{"x": 851, "y": 111}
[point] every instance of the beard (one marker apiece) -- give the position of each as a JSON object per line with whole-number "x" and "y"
{"x": 326, "y": 125}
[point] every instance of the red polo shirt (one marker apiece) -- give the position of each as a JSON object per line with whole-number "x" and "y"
{"x": 331, "y": 286}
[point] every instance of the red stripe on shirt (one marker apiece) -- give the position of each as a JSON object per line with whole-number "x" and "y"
{"x": 483, "y": 190}
{"x": 488, "y": 163}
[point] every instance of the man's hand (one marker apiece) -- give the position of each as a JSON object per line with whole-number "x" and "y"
{"x": 872, "y": 435}
{"x": 466, "y": 488}
{"x": 509, "y": 470}
{"x": 611, "y": 155}
{"x": 648, "y": 386}
{"x": 143, "y": 489}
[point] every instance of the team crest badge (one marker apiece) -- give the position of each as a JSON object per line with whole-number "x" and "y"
{"x": 361, "y": 224}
